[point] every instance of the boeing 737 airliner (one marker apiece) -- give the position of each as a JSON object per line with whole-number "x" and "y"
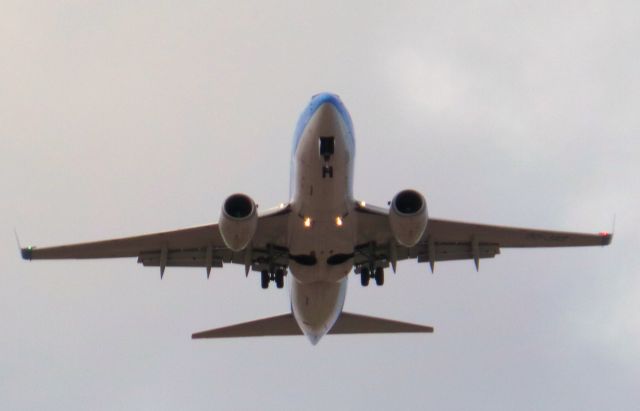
{"x": 319, "y": 236}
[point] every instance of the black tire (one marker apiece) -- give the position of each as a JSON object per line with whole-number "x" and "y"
{"x": 379, "y": 276}
{"x": 364, "y": 276}
{"x": 280, "y": 278}
{"x": 264, "y": 279}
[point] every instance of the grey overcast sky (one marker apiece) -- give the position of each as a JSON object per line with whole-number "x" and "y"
{"x": 120, "y": 118}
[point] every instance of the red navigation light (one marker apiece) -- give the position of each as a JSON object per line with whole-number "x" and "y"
{"x": 603, "y": 234}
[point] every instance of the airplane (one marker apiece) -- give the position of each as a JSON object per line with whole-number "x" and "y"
{"x": 319, "y": 236}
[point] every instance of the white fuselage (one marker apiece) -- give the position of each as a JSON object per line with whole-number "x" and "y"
{"x": 322, "y": 229}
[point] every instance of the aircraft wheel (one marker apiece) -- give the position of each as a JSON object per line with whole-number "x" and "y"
{"x": 264, "y": 279}
{"x": 364, "y": 276}
{"x": 280, "y": 278}
{"x": 379, "y": 276}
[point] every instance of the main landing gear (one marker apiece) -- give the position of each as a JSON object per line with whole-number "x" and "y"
{"x": 277, "y": 276}
{"x": 379, "y": 276}
{"x": 366, "y": 274}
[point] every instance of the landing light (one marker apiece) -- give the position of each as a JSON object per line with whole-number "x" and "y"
{"x": 362, "y": 204}
{"x": 307, "y": 222}
{"x": 339, "y": 221}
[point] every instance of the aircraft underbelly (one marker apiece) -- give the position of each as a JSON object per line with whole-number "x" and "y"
{"x": 317, "y": 306}
{"x": 322, "y": 230}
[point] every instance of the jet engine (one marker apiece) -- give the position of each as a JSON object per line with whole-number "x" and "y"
{"x": 238, "y": 221}
{"x": 408, "y": 217}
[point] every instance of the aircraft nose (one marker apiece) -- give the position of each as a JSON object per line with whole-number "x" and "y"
{"x": 327, "y": 113}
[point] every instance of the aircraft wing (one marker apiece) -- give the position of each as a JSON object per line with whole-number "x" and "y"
{"x": 189, "y": 247}
{"x": 446, "y": 240}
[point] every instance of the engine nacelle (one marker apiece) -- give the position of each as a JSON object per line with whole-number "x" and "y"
{"x": 408, "y": 217}
{"x": 238, "y": 221}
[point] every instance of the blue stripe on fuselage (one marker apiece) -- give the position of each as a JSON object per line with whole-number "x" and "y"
{"x": 313, "y": 106}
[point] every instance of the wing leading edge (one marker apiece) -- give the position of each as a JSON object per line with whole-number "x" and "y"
{"x": 200, "y": 246}
{"x": 446, "y": 240}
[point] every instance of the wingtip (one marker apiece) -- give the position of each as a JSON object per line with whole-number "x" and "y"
{"x": 26, "y": 253}
{"x": 606, "y": 237}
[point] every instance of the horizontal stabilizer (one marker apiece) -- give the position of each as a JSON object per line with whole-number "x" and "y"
{"x": 286, "y": 325}
{"x": 361, "y": 324}
{"x": 265, "y": 327}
